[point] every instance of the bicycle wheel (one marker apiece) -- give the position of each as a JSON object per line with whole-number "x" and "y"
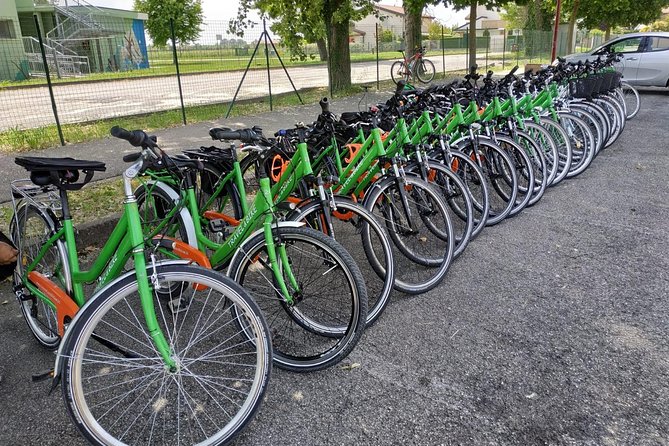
{"x": 548, "y": 147}
{"x": 399, "y": 71}
{"x": 327, "y": 317}
{"x": 472, "y": 176}
{"x": 228, "y": 201}
{"x": 616, "y": 116}
{"x": 356, "y": 229}
{"x": 425, "y": 71}
{"x": 582, "y": 143}
{"x": 30, "y": 229}
{"x": 417, "y": 221}
{"x": 537, "y": 164}
{"x": 563, "y": 143}
{"x": 499, "y": 174}
{"x": 587, "y": 115}
{"x": 155, "y": 204}
{"x": 458, "y": 199}
{"x": 117, "y": 389}
{"x": 248, "y": 166}
{"x": 632, "y": 100}
{"x": 522, "y": 164}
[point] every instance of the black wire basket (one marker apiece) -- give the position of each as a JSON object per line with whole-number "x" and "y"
{"x": 585, "y": 87}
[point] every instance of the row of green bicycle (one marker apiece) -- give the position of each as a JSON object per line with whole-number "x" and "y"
{"x": 220, "y": 267}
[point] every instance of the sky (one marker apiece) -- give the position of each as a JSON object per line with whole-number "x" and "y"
{"x": 226, "y": 9}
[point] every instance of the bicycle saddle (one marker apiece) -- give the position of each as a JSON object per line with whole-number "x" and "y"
{"x": 60, "y": 172}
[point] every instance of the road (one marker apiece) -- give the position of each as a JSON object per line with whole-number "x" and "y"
{"x": 550, "y": 329}
{"x": 79, "y": 102}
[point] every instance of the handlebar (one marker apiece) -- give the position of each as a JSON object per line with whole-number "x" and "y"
{"x": 137, "y": 138}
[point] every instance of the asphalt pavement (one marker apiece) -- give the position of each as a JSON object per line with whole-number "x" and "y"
{"x": 550, "y": 329}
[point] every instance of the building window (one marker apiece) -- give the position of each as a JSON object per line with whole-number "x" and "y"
{"x": 7, "y": 29}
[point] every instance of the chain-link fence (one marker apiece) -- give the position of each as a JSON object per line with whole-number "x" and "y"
{"x": 114, "y": 70}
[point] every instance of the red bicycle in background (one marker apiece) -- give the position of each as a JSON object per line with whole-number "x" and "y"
{"x": 412, "y": 67}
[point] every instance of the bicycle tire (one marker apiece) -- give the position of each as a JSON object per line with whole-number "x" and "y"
{"x": 563, "y": 144}
{"x": 221, "y": 374}
{"x": 537, "y": 163}
{"x": 632, "y": 100}
{"x": 425, "y": 71}
{"x": 498, "y": 173}
{"x": 415, "y": 272}
{"x": 227, "y": 202}
{"x": 547, "y": 145}
{"x": 582, "y": 142}
{"x": 154, "y": 205}
{"x": 398, "y": 72}
{"x": 325, "y": 342}
{"x": 30, "y": 229}
{"x": 472, "y": 177}
{"x": 359, "y": 232}
{"x": 457, "y": 197}
{"x": 522, "y": 164}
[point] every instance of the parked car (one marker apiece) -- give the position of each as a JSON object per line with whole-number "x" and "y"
{"x": 645, "y": 57}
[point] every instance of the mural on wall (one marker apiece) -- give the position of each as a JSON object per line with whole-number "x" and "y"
{"x": 133, "y": 52}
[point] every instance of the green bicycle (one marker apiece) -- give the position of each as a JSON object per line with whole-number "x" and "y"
{"x": 135, "y": 367}
{"x": 307, "y": 285}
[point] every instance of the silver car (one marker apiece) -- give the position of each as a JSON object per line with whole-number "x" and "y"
{"x": 645, "y": 57}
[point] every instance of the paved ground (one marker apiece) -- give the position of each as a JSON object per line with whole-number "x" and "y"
{"x": 551, "y": 329}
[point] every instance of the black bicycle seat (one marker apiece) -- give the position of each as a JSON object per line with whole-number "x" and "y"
{"x": 60, "y": 172}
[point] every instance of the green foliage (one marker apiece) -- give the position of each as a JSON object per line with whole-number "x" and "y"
{"x": 187, "y": 16}
{"x": 514, "y": 15}
{"x": 387, "y": 36}
{"x": 607, "y": 14}
{"x": 299, "y": 21}
{"x": 658, "y": 25}
{"x": 434, "y": 31}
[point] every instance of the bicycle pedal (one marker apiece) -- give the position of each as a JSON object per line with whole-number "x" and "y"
{"x": 43, "y": 376}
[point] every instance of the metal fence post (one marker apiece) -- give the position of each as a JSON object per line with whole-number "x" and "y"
{"x": 443, "y": 52}
{"x": 48, "y": 81}
{"x": 176, "y": 63}
{"x": 504, "y": 50}
{"x": 269, "y": 79}
{"x": 376, "y": 35}
{"x": 487, "y": 47}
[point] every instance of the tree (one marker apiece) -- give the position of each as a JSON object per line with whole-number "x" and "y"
{"x": 514, "y": 15}
{"x": 413, "y": 19}
{"x": 607, "y": 14}
{"x": 298, "y": 21}
{"x": 434, "y": 31}
{"x": 187, "y": 16}
{"x": 473, "y": 6}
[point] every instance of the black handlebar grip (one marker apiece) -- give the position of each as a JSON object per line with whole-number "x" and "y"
{"x": 325, "y": 105}
{"x": 513, "y": 70}
{"x": 400, "y": 86}
{"x": 472, "y": 69}
{"x": 135, "y": 138}
{"x": 131, "y": 157}
{"x": 489, "y": 75}
{"x": 222, "y": 134}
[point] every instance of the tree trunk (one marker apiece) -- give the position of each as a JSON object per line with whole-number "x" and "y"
{"x": 339, "y": 56}
{"x": 572, "y": 27}
{"x": 472, "y": 33}
{"x": 412, "y": 28}
{"x": 322, "y": 49}
{"x": 607, "y": 33}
